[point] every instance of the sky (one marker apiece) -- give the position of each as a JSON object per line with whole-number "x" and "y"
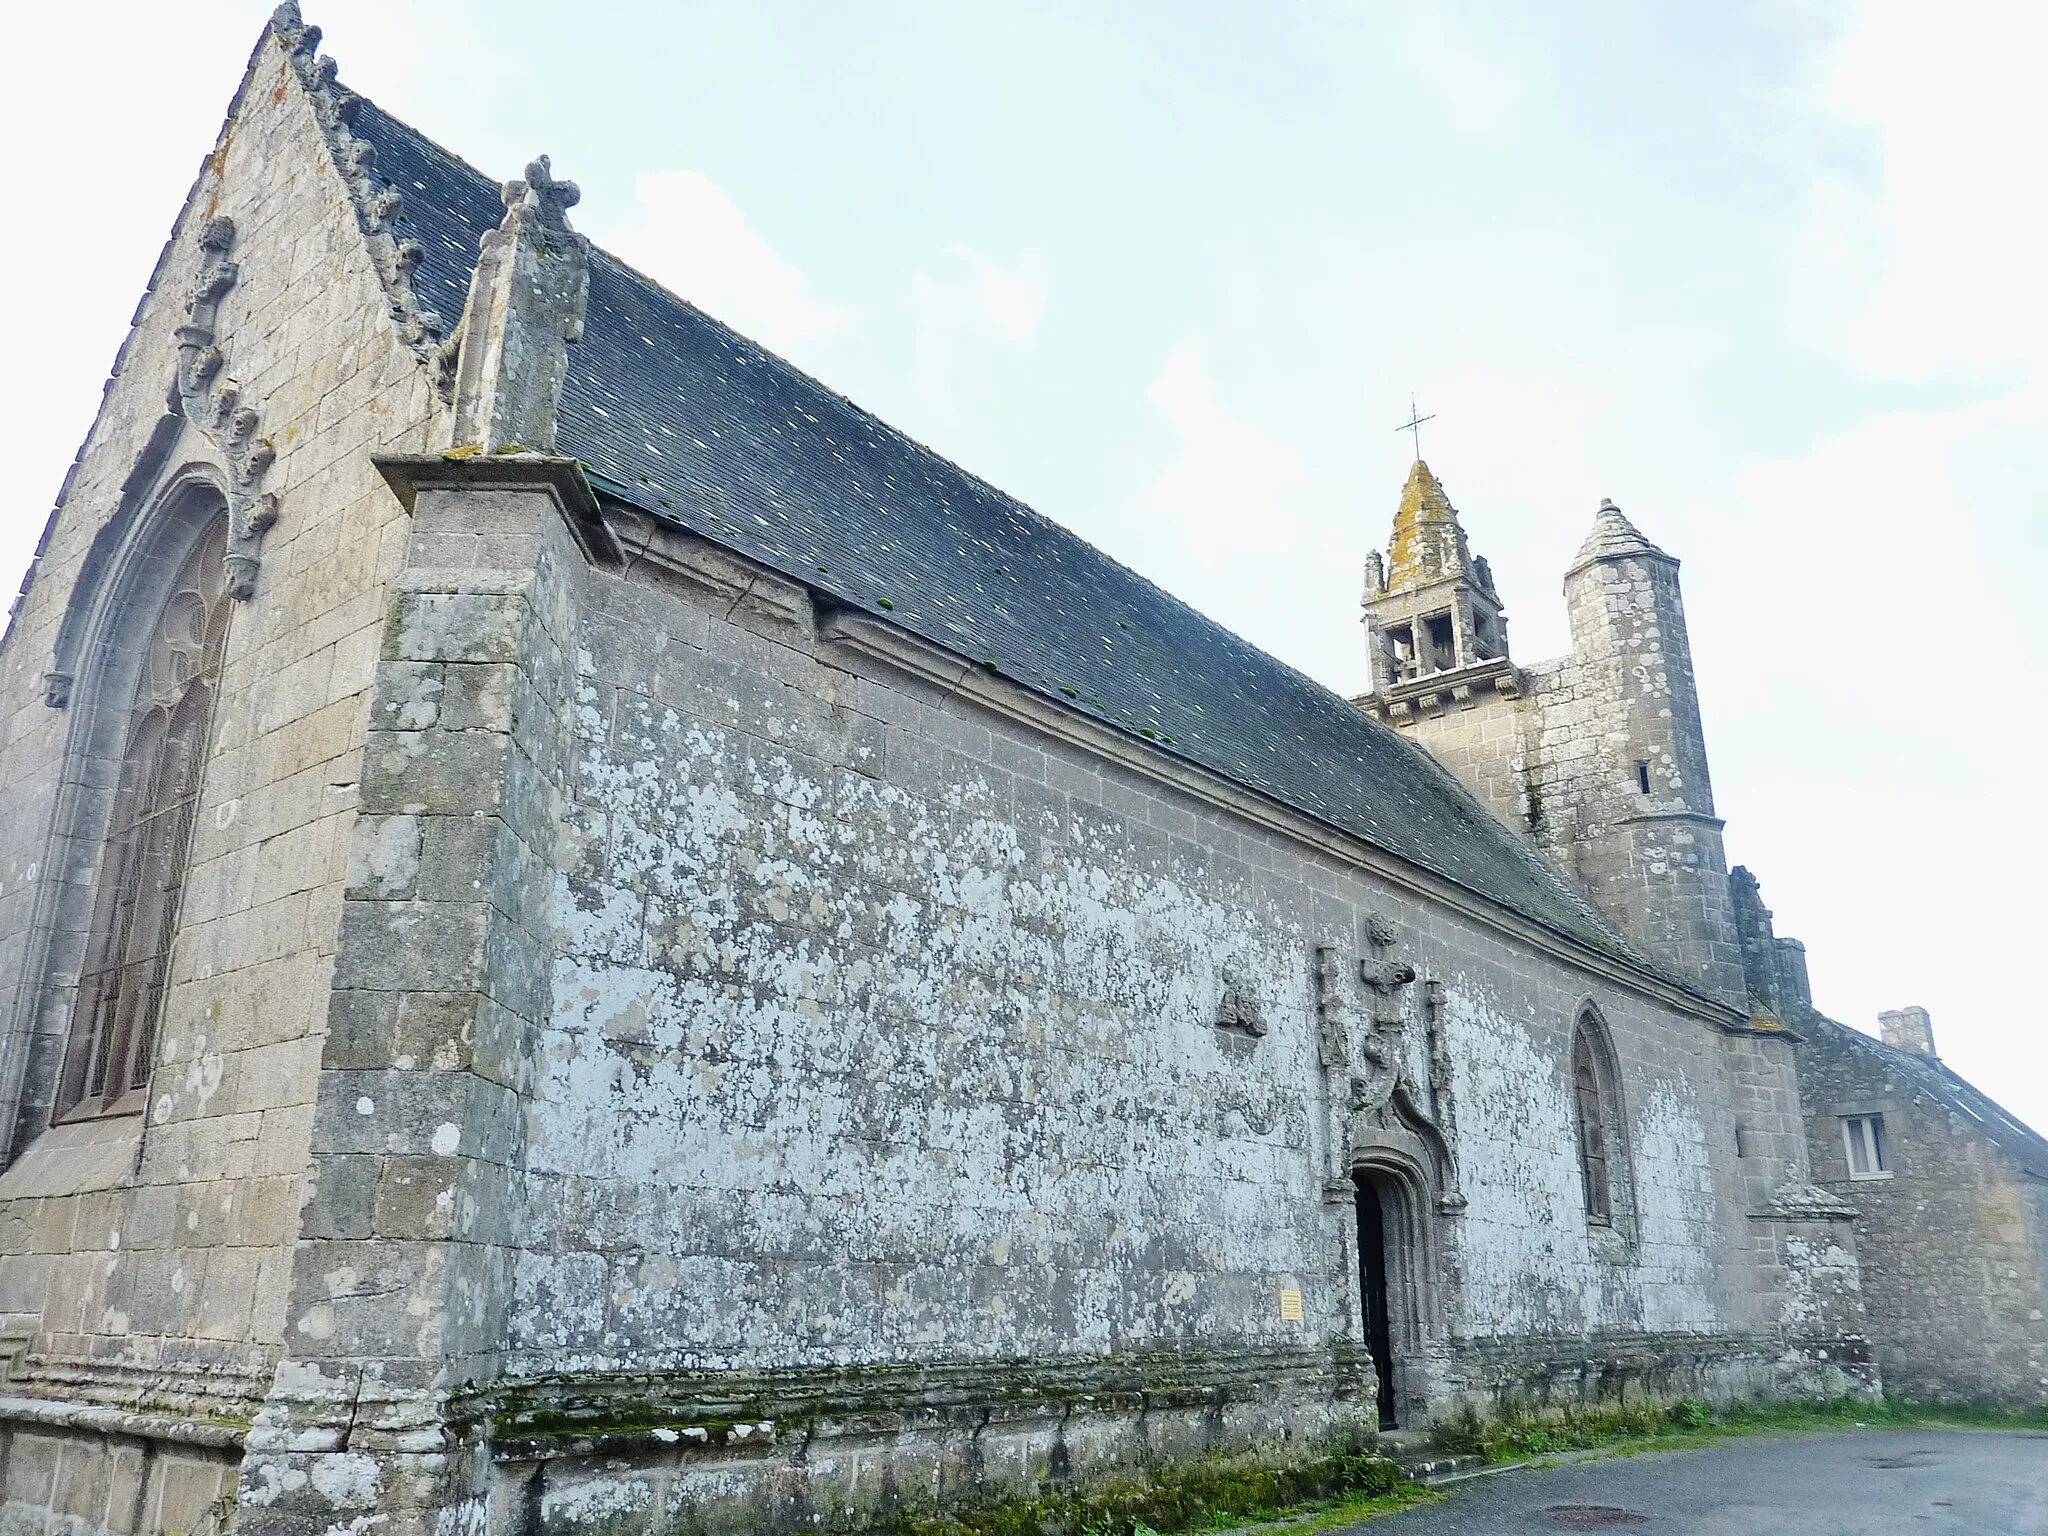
{"x": 1766, "y": 275}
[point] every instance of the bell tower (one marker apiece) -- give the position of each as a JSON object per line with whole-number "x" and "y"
{"x": 1433, "y": 623}
{"x": 1598, "y": 756}
{"x": 1437, "y": 643}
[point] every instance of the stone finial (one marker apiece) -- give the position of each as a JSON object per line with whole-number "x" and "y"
{"x": 1908, "y": 1029}
{"x": 526, "y": 306}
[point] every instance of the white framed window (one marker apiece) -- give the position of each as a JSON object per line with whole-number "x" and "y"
{"x": 1869, "y": 1155}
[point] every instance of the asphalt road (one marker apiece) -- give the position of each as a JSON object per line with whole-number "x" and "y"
{"x": 1853, "y": 1483}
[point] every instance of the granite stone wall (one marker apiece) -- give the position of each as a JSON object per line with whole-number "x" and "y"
{"x": 148, "y": 1273}
{"x": 1951, "y": 1241}
{"x": 885, "y": 1052}
{"x": 645, "y": 1048}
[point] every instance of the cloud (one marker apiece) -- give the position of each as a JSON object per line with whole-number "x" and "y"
{"x": 686, "y": 234}
{"x": 1234, "y": 488}
{"x": 1478, "y": 87}
{"x": 974, "y": 298}
{"x": 1958, "y": 116}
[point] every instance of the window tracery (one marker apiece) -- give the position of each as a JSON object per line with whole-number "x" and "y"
{"x": 149, "y": 833}
{"x": 1595, "y": 1110}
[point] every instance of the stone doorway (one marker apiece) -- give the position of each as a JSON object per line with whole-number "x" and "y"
{"x": 1395, "y": 1275}
{"x": 1374, "y": 1269}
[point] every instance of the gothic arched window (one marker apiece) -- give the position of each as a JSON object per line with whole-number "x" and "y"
{"x": 149, "y": 835}
{"x": 1595, "y": 1109}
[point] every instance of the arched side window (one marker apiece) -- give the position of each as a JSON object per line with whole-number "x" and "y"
{"x": 149, "y": 835}
{"x": 1597, "y": 1110}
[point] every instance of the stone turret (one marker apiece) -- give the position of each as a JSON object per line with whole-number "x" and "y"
{"x": 1648, "y": 844}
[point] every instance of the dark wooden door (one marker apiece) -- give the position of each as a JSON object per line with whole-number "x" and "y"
{"x": 1372, "y": 1274}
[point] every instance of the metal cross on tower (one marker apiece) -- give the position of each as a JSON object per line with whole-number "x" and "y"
{"x": 1414, "y": 424}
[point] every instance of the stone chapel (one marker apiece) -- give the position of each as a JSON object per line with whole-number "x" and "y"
{"x": 593, "y": 939}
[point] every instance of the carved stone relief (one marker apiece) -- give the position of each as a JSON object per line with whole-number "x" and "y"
{"x": 378, "y": 208}
{"x": 1238, "y": 1009}
{"x": 214, "y": 405}
{"x": 1374, "y": 1098}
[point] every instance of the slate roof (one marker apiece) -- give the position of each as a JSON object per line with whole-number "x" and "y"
{"x": 1931, "y": 1077}
{"x": 682, "y": 417}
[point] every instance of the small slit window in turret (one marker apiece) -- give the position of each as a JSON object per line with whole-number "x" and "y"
{"x": 1642, "y": 778}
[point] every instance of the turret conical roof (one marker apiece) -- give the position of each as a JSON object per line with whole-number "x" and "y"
{"x": 1427, "y": 544}
{"x": 1612, "y": 537}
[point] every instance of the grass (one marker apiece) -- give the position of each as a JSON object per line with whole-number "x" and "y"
{"x": 1688, "y": 1422}
{"x": 1346, "y": 1483}
{"x": 1621, "y": 1431}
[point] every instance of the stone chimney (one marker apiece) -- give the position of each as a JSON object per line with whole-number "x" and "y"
{"x": 1908, "y": 1029}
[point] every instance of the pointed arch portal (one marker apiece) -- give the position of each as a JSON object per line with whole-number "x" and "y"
{"x": 1396, "y": 1273}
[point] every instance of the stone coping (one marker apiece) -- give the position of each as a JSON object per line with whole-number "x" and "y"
{"x": 98, "y": 1419}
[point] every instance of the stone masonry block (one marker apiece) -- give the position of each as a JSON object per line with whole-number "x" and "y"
{"x": 410, "y": 946}
{"x": 393, "y": 1113}
{"x": 408, "y": 695}
{"x": 477, "y": 695}
{"x": 456, "y": 626}
{"x": 444, "y": 773}
{"x": 385, "y": 856}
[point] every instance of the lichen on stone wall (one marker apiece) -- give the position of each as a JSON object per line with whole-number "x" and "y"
{"x": 839, "y": 1071}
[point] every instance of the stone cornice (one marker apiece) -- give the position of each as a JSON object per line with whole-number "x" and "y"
{"x": 1804, "y": 1202}
{"x": 98, "y": 1418}
{"x": 562, "y": 479}
{"x": 1401, "y": 702}
{"x": 1697, "y": 818}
